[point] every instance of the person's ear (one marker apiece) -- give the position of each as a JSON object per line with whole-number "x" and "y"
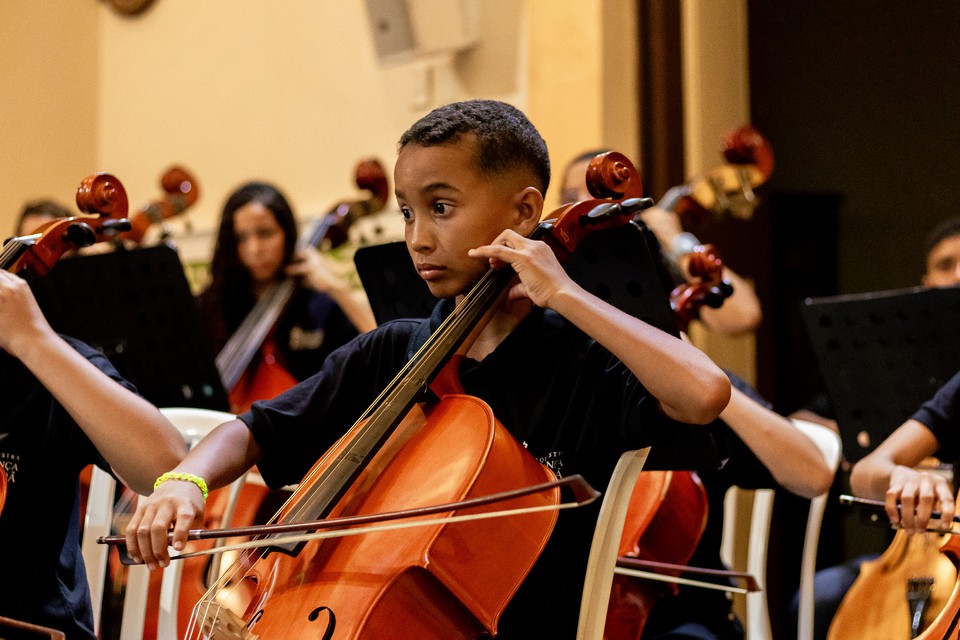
{"x": 528, "y": 207}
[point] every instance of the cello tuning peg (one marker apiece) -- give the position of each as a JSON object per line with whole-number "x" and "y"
{"x": 113, "y": 227}
{"x": 80, "y": 235}
{"x": 634, "y": 206}
{"x": 600, "y": 213}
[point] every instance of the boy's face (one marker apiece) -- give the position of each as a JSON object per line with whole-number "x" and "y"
{"x": 449, "y": 207}
{"x": 943, "y": 263}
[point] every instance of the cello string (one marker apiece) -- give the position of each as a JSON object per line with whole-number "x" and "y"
{"x": 464, "y": 313}
{"x": 411, "y": 379}
{"x": 427, "y": 363}
{"x": 14, "y": 247}
{"x": 424, "y": 363}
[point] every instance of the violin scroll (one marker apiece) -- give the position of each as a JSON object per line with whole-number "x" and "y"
{"x": 729, "y": 187}
{"x": 181, "y": 188}
{"x": 610, "y": 173}
{"x": 371, "y": 177}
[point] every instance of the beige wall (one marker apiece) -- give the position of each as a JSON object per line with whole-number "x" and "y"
{"x": 291, "y": 92}
{"x": 49, "y": 74}
{"x": 583, "y": 78}
{"x": 715, "y": 77}
{"x": 716, "y": 101}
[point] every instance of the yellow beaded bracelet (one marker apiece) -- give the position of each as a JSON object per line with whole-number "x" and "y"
{"x": 186, "y": 477}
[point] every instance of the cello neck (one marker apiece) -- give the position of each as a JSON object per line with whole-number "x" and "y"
{"x": 243, "y": 345}
{"x": 390, "y": 408}
{"x": 14, "y": 248}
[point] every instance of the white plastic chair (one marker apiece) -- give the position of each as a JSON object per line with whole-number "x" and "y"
{"x": 757, "y": 614}
{"x": 606, "y": 541}
{"x": 194, "y": 424}
{"x": 828, "y": 441}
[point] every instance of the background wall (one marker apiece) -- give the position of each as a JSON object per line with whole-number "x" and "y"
{"x": 49, "y": 71}
{"x": 291, "y": 92}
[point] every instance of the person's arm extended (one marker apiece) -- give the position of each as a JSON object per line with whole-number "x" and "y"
{"x": 219, "y": 458}
{"x": 129, "y": 432}
{"x": 792, "y": 458}
{"x": 688, "y": 385}
{"x": 887, "y": 473}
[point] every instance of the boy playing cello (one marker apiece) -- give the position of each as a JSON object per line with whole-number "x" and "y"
{"x": 574, "y": 379}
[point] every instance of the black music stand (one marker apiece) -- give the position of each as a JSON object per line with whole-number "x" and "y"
{"x": 621, "y": 266}
{"x": 882, "y": 355}
{"x": 135, "y": 306}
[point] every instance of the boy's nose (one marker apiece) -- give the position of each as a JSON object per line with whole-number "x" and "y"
{"x": 419, "y": 237}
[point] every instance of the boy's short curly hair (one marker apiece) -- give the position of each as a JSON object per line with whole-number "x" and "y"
{"x": 506, "y": 139}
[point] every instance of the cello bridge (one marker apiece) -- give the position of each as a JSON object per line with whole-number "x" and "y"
{"x": 220, "y": 623}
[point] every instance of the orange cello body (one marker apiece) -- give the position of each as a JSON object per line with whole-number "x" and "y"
{"x": 946, "y": 626}
{"x": 883, "y": 585}
{"x": 265, "y": 378}
{"x": 424, "y": 582}
{"x": 665, "y": 519}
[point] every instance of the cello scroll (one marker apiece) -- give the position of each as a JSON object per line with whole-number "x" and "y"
{"x": 729, "y": 188}
{"x": 180, "y": 193}
{"x": 101, "y": 194}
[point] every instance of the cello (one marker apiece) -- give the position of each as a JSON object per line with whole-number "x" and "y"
{"x": 727, "y": 188}
{"x": 247, "y": 363}
{"x": 913, "y": 584}
{"x": 311, "y": 590}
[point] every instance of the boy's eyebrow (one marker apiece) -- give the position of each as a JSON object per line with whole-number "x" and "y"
{"x": 431, "y": 188}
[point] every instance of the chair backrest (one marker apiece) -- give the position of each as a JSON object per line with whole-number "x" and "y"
{"x": 828, "y": 441}
{"x": 749, "y": 552}
{"x": 606, "y": 542}
{"x": 194, "y": 424}
{"x": 757, "y": 619}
